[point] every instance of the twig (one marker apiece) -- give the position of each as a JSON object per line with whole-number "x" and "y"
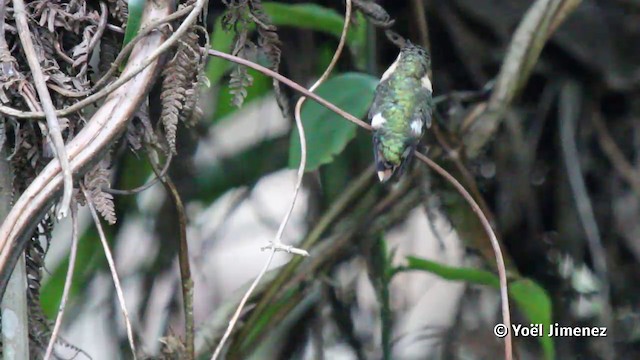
{"x": 303, "y": 141}
{"x": 292, "y": 84}
{"x": 53, "y": 125}
{"x": 615, "y": 155}
{"x": 183, "y": 257}
{"x": 277, "y": 245}
{"x": 112, "y": 267}
{"x": 102, "y": 25}
{"x": 67, "y": 282}
{"x": 145, "y": 186}
{"x": 417, "y": 6}
{"x": 502, "y": 273}
{"x": 124, "y": 53}
{"x": 569, "y": 113}
{"x": 539, "y": 22}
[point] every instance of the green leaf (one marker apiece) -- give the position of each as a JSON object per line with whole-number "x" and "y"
{"x": 327, "y": 133}
{"x": 476, "y": 276}
{"x": 315, "y": 17}
{"x": 531, "y": 298}
{"x": 133, "y": 22}
{"x": 536, "y": 305}
{"x": 304, "y": 16}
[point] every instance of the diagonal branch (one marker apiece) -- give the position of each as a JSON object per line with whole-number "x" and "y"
{"x": 183, "y": 255}
{"x": 53, "y": 125}
{"x": 67, "y": 282}
{"x": 277, "y": 243}
{"x": 112, "y": 268}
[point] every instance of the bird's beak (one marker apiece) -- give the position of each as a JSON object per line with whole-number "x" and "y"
{"x": 385, "y": 175}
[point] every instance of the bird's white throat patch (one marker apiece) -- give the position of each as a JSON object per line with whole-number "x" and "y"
{"x": 378, "y": 121}
{"x": 391, "y": 69}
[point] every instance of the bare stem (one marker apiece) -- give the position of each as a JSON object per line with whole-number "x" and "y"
{"x": 277, "y": 243}
{"x": 67, "y": 282}
{"x": 53, "y": 125}
{"x": 502, "y": 273}
{"x": 183, "y": 258}
{"x": 112, "y": 268}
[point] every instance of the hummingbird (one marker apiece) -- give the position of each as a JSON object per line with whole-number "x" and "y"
{"x": 401, "y": 110}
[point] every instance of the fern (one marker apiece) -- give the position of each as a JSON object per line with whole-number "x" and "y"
{"x": 119, "y": 9}
{"x": 179, "y": 86}
{"x": 95, "y": 180}
{"x": 239, "y": 81}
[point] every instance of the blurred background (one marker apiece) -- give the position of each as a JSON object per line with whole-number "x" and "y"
{"x": 403, "y": 271}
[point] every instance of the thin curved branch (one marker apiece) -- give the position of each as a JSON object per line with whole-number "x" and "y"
{"x": 85, "y": 148}
{"x": 569, "y": 113}
{"x": 277, "y": 243}
{"x": 53, "y": 125}
{"x": 67, "y": 282}
{"x": 183, "y": 256}
{"x": 112, "y": 268}
{"x": 502, "y": 273}
{"x": 290, "y": 83}
{"x": 145, "y": 186}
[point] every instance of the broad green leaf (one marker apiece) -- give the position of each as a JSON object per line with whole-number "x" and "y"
{"x": 133, "y": 22}
{"x": 305, "y": 16}
{"x": 531, "y": 298}
{"x": 536, "y": 305}
{"x": 315, "y": 17}
{"x": 327, "y": 134}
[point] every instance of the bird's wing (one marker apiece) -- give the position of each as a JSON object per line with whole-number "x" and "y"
{"x": 426, "y": 108}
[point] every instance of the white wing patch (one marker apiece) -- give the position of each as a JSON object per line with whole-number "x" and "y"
{"x": 378, "y": 121}
{"x": 416, "y": 127}
{"x": 426, "y": 83}
{"x": 391, "y": 69}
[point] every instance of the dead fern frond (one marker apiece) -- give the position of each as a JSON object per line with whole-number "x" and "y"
{"x": 95, "y": 180}
{"x": 269, "y": 43}
{"x": 180, "y": 89}
{"x": 172, "y": 348}
{"x": 239, "y": 81}
{"x": 119, "y": 10}
{"x": 39, "y": 326}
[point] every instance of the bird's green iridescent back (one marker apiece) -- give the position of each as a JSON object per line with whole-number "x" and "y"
{"x": 401, "y": 109}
